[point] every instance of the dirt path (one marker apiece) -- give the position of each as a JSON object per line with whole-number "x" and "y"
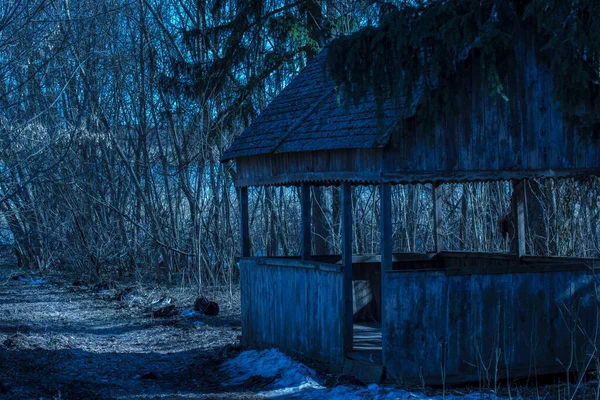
{"x": 60, "y": 341}
{"x": 63, "y": 341}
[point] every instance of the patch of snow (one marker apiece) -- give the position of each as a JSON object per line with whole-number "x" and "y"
{"x": 289, "y": 376}
{"x": 190, "y": 313}
{"x": 162, "y": 302}
{"x": 32, "y": 281}
{"x": 293, "y": 380}
{"x": 346, "y": 392}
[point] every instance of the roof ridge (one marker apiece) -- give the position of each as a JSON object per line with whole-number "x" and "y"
{"x": 302, "y": 118}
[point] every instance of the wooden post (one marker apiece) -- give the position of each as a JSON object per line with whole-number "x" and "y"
{"x": 305, "y": 209}
{"x": 386, "y": 252}
{"x": 244, "y": 225}
{"x": 437, "y": 215}
{"x": 464, "y": 208}
{"x": 386, "y": 227}
{"x": 346, "y": 201}
{"x": 519, "y": 207}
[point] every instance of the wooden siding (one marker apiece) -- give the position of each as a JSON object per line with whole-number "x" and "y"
{"x": 295, "y": 305}
{"x": 323, "y": 167}
{"x": 480, "y": 137}
{"x": 365, "y": 166}
{"x": 525, "y": 133}
{"x": 468, "y": 327}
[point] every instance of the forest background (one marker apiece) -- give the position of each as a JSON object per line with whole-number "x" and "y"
{"x": 114, "y": 115}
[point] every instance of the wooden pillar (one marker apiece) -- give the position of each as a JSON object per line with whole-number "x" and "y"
{"x": 437, "y": 216}
{"x": 346, "y": 200}
{"x": 519, "y": 207}
{"x": 386, "y": 251}
{"x": 386, "y": 227}
{"x": 305, "y": 210}
{"x": 464, "y": 208}
{"x": 244, "y": 224}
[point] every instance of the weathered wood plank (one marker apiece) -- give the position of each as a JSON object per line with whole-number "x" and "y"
{"x": 244, "y": 221}
{"x": 347, "y": 232}
{"x": 386, "y": 227}
{"x": 299, "y": 310}
{"x": 478, "y": 327}
{"x": 519, "y": 201}
{"x": 306, "y": 220}
{"x": 436, "y": 192}
{"x": 386, "y": 240}
{"x": 291, "y": 263}
{"x": 310, "y": 168}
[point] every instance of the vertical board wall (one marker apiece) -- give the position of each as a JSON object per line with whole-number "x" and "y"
{"x": 442, "y": 327}
{"x": 296, "y": 306}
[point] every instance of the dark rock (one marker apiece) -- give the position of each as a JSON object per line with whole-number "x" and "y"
{"x": 206, "y": 307}
{"x": 13, "y": 341}
{"x": 330, "y": 381}
{"x": 125, "y": 293}
{"x": 259, "y": 382}
{"x": 150, "y": 375}
{"x": 350, "y": 380}
{"x": 4, "y": 389}
{"x": 22, "y": 328}
{"x": 18, "y": 277}
{"x": 79, "y": 283}
{"x": 229, "y": 349}
{"x": 102, "y": 286}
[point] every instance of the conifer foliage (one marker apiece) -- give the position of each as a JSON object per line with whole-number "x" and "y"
{"x": 425, "y": 47}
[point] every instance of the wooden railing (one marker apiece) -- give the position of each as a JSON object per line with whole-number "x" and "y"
{"x": 441, "y": 326}
{"x": 295, "y": 305}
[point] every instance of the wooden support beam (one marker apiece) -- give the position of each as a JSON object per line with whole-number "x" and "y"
{"x": 244, "y": 224}
{"x": 306, "y": 229}
{"x": 464, "y": 209}
{"x": 386, "y": 251}
{"x": 436, "y": 192}
{"x": 385, "y": 191}
{"x": 520, "y": 213}
{"x": 346, "y": 200}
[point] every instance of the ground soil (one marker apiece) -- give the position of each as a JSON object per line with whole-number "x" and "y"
{"x": 64, "y": 341}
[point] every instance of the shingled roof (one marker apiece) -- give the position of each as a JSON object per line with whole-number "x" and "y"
{"x": 309, "y": 116}
{"x": 310, "y": 134}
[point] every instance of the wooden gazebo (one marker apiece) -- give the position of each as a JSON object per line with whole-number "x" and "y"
{"x": 444, "y": 316}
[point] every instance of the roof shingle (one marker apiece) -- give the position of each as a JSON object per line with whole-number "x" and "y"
{"x": 308, "y": 116}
